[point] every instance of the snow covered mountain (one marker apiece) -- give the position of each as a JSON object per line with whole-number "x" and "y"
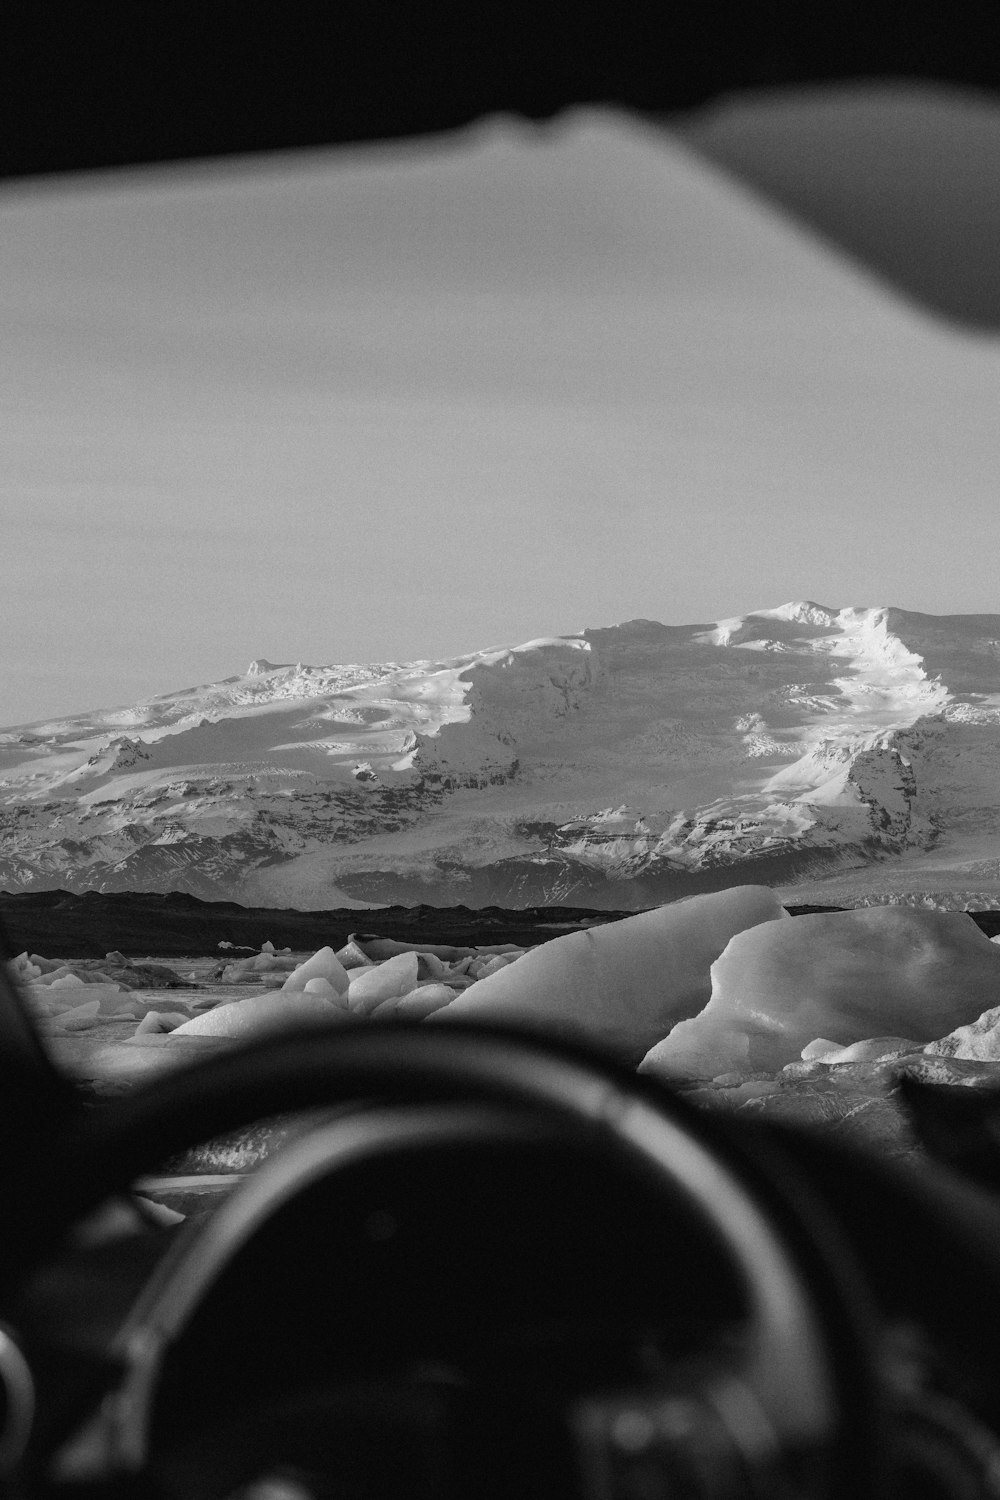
{"x": 830, "y": 752}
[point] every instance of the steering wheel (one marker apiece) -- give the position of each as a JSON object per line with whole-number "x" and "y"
{"x": 786, "y": 1404}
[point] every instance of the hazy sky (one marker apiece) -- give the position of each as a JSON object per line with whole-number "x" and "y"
{"x": 409, "y": 402}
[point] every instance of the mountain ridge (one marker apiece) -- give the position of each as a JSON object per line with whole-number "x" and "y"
{"x": 612, "y": 768}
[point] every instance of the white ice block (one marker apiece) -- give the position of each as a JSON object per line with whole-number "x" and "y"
{"x": 324, "y": 964}
{"x": 420, "y": 1002}
{"x": 979, "y": 1040}
{"x": 872, "y": 1049}
{"x": 79, "y": 1018}
{"x": 258, "y": 1014}
{"x": 325, "y": 989}
{"x": 369, "y": 987}
{"x": 845, "y": 976}
{"x": 623, "y": 984}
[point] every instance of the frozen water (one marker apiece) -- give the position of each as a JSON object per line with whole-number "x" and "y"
{"x": 324, "y": 989}
{"x": 258, "y": 1014}
{"x": 385, "y": 981}
{"x": 873, "y": 1049}
{"x": 623, "y": 984}
{"x": 51, "y": 1000}
{"x": 323, "y": 965}
{"x": 156, "y": 1022}
{"x": 818, "y": 1049}
{"x": 77, "y": 1018}
{"x": 811, "y": 1018}
{"x": 422, "y": 1001}
{"x": 845, "y": 976}
{"x": 979, "y": 1040}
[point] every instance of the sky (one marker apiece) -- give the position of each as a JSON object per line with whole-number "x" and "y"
{"x": 406, "y": 402}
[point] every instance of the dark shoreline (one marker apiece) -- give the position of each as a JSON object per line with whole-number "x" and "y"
{"x": 60, "y": 924}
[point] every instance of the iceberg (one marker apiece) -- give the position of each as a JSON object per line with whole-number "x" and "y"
{"x": 623, "y": 984}
{"x": 324, "y": 988}
{"x": 324, "y": 964}
{"x": 848, "y": 976}
{"x": 391, "y": 978}
{"x": 419, "y": 1003}
{"x": 258, "y": 1014}
{"x": 980, "y": 1040}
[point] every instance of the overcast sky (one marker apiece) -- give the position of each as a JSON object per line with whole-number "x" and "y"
{"x": 410, "y": 402}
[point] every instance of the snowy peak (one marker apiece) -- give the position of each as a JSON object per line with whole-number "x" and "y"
{"x": 767, "y": 625}
{"x": 611, "y": 767}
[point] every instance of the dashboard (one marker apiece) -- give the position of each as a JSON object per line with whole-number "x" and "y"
{"x": 512, "y": 1269}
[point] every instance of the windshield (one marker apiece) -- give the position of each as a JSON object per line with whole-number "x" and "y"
{"x": 534, "y": 519}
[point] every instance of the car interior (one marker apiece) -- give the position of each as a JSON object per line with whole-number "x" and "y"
{"x": 487, "y": 1263}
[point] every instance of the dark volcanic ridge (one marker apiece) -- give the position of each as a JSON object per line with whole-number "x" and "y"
{"x": 61, "y": 924}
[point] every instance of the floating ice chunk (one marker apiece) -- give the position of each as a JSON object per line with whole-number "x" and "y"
{"x": 67, "y": 978}
{"x": 872, "y": 1049}
{"x": 420, "y": 1002}
{"x": 258, "y": 1014}
{"x": 323, "y": 965}
{"x": 624, "y": 983}
{"x": 500, "y": 961}
{"x": 847, "y": 976}
{"x": 483, "y": 966}
{"x": 113, "y": 1000}
{"x": 979, "y": 1040}
{"x": 353, "y": 956}
{"x": 52, "y": 976}
{"x": 381, "y": 948}
{"x": 270, "y": 963}
{"x": 817, "y": 1050}
{"x": 79, "y": 1018}
{"x": 48, "y": 965}
{"x": 156, "y": 1021}
{"x": 385, "y": 981}
{"x": 324, "y": 988}
{"x": 267, "y": 946}
{"x": 239, "y": 970}
{"x": 52, "y": 1000}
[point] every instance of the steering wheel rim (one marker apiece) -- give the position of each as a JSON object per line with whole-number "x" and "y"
{"x": 807, "y": 1369}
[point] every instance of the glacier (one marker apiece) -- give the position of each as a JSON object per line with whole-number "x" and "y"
{"x": 839, "y": 755}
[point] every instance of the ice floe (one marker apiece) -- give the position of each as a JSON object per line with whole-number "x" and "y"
{"x": 324, "y": 964}
{"x": 723, "y": 993}
{"x": 624, "y": 984}
{"x": 842, "y": 976}
{"x": 259, "y": 1014}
